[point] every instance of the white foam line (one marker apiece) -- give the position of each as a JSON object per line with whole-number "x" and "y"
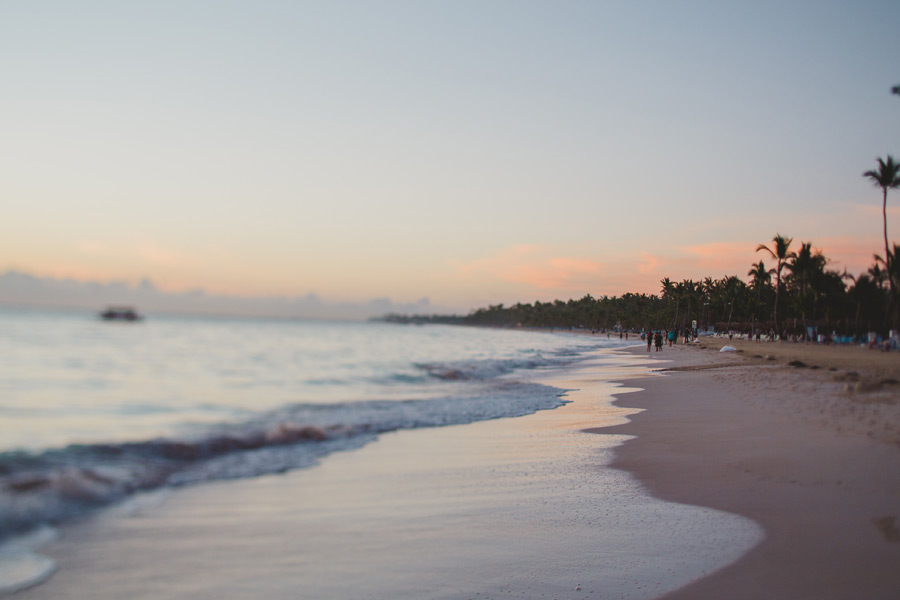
{"x": 20, "y": 566}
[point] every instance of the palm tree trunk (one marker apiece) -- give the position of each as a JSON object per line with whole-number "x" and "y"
{"x": 886, "y": 250}
{"x": 887, "y": 265}
{"x": 777, "y": 294}
{"x": 858, "y": 310}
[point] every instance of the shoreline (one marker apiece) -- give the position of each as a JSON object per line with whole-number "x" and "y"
{"x": 808, "y": 454}
{"x": 522, "y": 507}
{"x": 746, "y": 479}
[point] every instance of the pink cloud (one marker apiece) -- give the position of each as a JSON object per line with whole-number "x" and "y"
{"x": 714, "y": 257}
{"x": 873, "y": 211}
{"x": 533, "y": 266}
{"x": 648, "y": 264}
{"x": 852, "y": 253}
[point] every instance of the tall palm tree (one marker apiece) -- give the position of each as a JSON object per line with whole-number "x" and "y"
{"x": 707, "y": 288}
{"x": 887, "y": 177}
{"x": 780, "y": 251}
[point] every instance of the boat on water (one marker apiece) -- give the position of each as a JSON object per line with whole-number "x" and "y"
{"x": 120, "y": 313}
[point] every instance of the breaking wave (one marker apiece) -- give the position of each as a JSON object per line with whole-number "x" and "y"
{"x": 54, "y": 485}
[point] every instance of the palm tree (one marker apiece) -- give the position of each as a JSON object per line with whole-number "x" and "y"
{"x": 887, "y": 177}
{"x": 780, "y": 251}
{"x": 868, "y": 295}
{"x": 666, "y": 293}
{"x": 691, "y": 290}
{"x": 807, "y": 265}
{"x": 760, "y": 278}
{"x": 877, "y": 274}
{"x": 707, "y": 287}
{"x": 733, "y": 288}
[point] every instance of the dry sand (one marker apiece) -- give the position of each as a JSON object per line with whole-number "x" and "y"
{"x": 810, "y": 454}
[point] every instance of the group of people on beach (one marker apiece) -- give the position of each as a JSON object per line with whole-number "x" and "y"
{"x": 670, "y": 336}
{"x": 660, "y": 338}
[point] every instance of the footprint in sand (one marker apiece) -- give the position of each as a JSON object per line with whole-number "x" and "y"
{"x": 887, "y": 525}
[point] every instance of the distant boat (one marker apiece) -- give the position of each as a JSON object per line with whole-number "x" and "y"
{"x": 120, "y": 313}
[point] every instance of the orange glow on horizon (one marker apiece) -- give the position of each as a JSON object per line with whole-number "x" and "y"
{"x": 520, "y": 272}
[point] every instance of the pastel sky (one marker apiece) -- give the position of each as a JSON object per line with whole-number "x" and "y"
{"x": 471, "y": 152}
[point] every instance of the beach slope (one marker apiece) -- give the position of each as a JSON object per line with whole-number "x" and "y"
{"x": 808, "y": 453}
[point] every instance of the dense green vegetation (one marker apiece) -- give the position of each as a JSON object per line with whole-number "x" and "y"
{"x": 799, "y": 291}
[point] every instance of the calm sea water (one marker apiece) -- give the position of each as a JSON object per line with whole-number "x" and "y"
{"x": 93, "y": 411}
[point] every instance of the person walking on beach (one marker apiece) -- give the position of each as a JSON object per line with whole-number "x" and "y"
{"x": 671, "y": 337}
{"x": 649, "y": 339}
{"x": 658, "y": 340}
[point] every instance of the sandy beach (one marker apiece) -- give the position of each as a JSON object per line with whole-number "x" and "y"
{"x": 736, "y": 476}
{"x": 811, "y": 453}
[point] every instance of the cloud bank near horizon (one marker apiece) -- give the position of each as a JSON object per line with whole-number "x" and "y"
{"x": 18, "y": 288}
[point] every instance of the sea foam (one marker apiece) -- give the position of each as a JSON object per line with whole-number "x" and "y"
{"x": 55, "y": 485}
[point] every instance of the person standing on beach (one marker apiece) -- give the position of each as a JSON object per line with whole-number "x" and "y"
{"x": 658, "y": 339}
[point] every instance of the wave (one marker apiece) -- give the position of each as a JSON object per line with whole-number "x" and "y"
{"x": 483, "y": 369}
{"x": 55, "y": 485}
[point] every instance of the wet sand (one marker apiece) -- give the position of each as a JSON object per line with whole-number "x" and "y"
{"x": 511, "y": 508}
{"x": 809, "y": 454}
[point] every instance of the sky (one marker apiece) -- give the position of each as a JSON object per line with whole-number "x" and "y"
{"x": 467, "y": 152}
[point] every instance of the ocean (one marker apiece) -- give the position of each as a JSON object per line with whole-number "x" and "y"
{"x": 97, "y": 415}
{"x": 94, "y": 411}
